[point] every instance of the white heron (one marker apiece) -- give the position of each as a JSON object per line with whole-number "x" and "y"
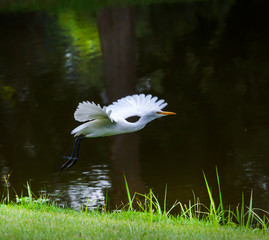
{"x": 128, "y": 114}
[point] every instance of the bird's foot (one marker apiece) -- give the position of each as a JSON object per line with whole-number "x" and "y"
{"x": 69, "y": 163}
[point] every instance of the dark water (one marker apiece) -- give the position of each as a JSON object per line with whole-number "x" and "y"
{"x": 209, "y": 60}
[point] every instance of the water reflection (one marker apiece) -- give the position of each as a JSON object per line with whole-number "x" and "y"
{"x": 117, "y": 35}
{"x": 208, "y": 63}
{"x": 85, "y": 187}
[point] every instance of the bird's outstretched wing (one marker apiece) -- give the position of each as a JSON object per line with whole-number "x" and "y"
{"x": 87, "y": 111}
{"x": 134, "y": 105}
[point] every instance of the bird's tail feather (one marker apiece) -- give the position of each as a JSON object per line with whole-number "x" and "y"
{"x": 79, "y": 130}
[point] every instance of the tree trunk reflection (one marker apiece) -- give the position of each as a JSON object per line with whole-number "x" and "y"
{"x": 117, "y": 36}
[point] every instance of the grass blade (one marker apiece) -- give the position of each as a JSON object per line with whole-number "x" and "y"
{"x": 220, "y": 198}
{"x": 213, "y": 212}
{"x": 164, "y": 201}
{"x": 128, "y": 194}
{"x": 250, "y": 210}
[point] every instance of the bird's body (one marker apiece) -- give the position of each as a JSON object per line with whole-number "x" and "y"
{"x": 104, "y": 127}
{"x": 128, "y": 114}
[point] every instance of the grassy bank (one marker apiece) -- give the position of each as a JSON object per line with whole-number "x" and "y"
{"x": 35, "y": 221}
{"x": 31, "y": 217}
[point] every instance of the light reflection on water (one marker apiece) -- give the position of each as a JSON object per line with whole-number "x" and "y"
{"x": 90, "y": 186}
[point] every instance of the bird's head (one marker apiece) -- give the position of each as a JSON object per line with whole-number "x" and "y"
{"x": 145, "y": 118}
{"x": 155, "y": 114}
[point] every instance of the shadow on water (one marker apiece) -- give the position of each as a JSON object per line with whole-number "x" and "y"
{"x": 209, "y": 61}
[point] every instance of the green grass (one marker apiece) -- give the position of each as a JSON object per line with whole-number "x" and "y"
{"x": 32, "y": 217}
{"x": 35, "y": 221}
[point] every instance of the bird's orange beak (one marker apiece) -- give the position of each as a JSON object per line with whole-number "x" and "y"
{"x": 166, "y": 113}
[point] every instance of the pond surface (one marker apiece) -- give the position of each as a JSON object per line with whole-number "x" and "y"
{"x": 209, "y": 60}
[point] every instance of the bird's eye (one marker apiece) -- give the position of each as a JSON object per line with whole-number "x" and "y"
{"x": 132, "y": 119}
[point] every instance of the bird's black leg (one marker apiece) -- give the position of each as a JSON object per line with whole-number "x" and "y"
{"x": 72, "y": 160}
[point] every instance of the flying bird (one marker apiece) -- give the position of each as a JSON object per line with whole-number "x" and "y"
{"x": 128, "y": 114}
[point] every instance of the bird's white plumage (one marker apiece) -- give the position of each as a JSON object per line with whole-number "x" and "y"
{"x": 87, "y": 111}
{"x": 134, "y": 105}
{"x": 121, "y": 109}
{"x": 112, "y": 119}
